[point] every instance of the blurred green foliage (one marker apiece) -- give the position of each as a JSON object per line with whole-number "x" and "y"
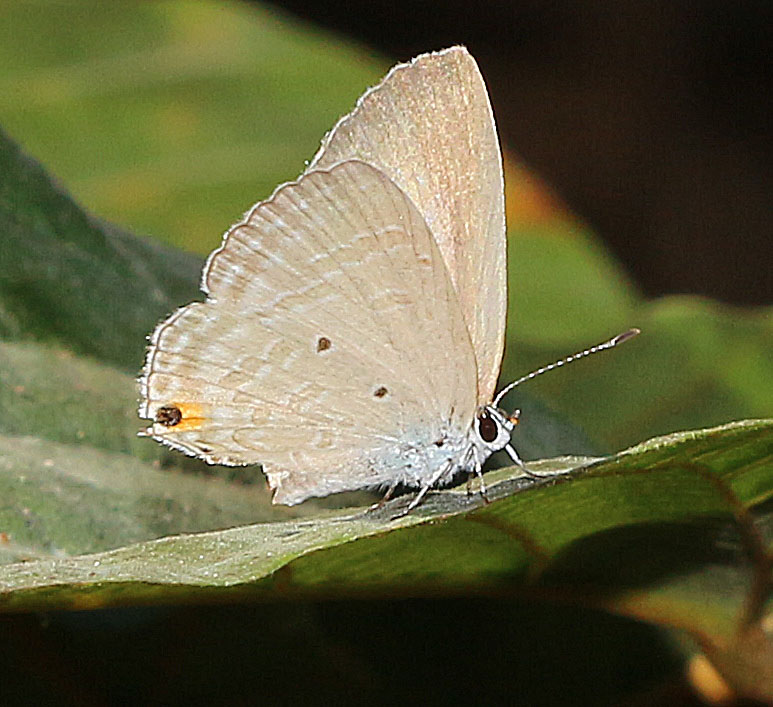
{"x": 172, "y": 118}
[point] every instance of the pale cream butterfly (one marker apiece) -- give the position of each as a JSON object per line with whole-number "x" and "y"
{"x": 354, "y": 325}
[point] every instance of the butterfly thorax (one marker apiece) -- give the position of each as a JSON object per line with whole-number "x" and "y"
{"x": 439, "y": 461}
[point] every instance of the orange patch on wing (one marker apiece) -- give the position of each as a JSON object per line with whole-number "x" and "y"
{"x": 193, "y": 416}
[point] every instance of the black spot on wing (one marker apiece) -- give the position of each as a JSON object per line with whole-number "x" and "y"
{"x": 168, "y": 415}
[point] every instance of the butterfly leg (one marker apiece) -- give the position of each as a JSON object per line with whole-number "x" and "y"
{"x": 519, "y": 463}
{"x": 425, "y": 489}
{"x": 466, "y": 462}
{"x": 477, "y": 471}
{"x": 387, "y": 496}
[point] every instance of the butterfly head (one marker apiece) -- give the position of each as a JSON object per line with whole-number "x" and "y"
{"x": 493, "y": 428}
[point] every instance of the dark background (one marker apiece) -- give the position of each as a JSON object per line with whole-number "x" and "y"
{"x": 399, "y": 652}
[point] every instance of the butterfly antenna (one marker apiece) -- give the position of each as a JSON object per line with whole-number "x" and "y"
{"x": 614, "y": 341}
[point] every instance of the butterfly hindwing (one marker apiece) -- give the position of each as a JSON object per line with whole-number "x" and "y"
{"x": 332, "y": 347}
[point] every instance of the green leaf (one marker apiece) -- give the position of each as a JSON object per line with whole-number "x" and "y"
{"x": 689, "y": 498}
{"x": 61, "y": 500}
{"x": 52, "y": 394}
{"x": 67, "y": 279}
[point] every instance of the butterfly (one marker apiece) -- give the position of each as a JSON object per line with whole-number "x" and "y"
{"x": 353, "y": 330}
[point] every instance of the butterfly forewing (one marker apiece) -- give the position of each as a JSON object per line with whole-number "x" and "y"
{"x": 332, "y": 347}
{"x": 429, "y": 127}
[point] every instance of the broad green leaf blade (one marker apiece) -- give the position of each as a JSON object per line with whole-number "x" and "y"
{"x": 68, "y": 279}
{"x": 52, "y": 394}
{"x": 60, "y": 500}
{"x": 523, "y": 541}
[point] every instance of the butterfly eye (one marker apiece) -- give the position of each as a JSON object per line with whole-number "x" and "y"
{"x": 487, "y": 428}
{"x": 168, "y": 415}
